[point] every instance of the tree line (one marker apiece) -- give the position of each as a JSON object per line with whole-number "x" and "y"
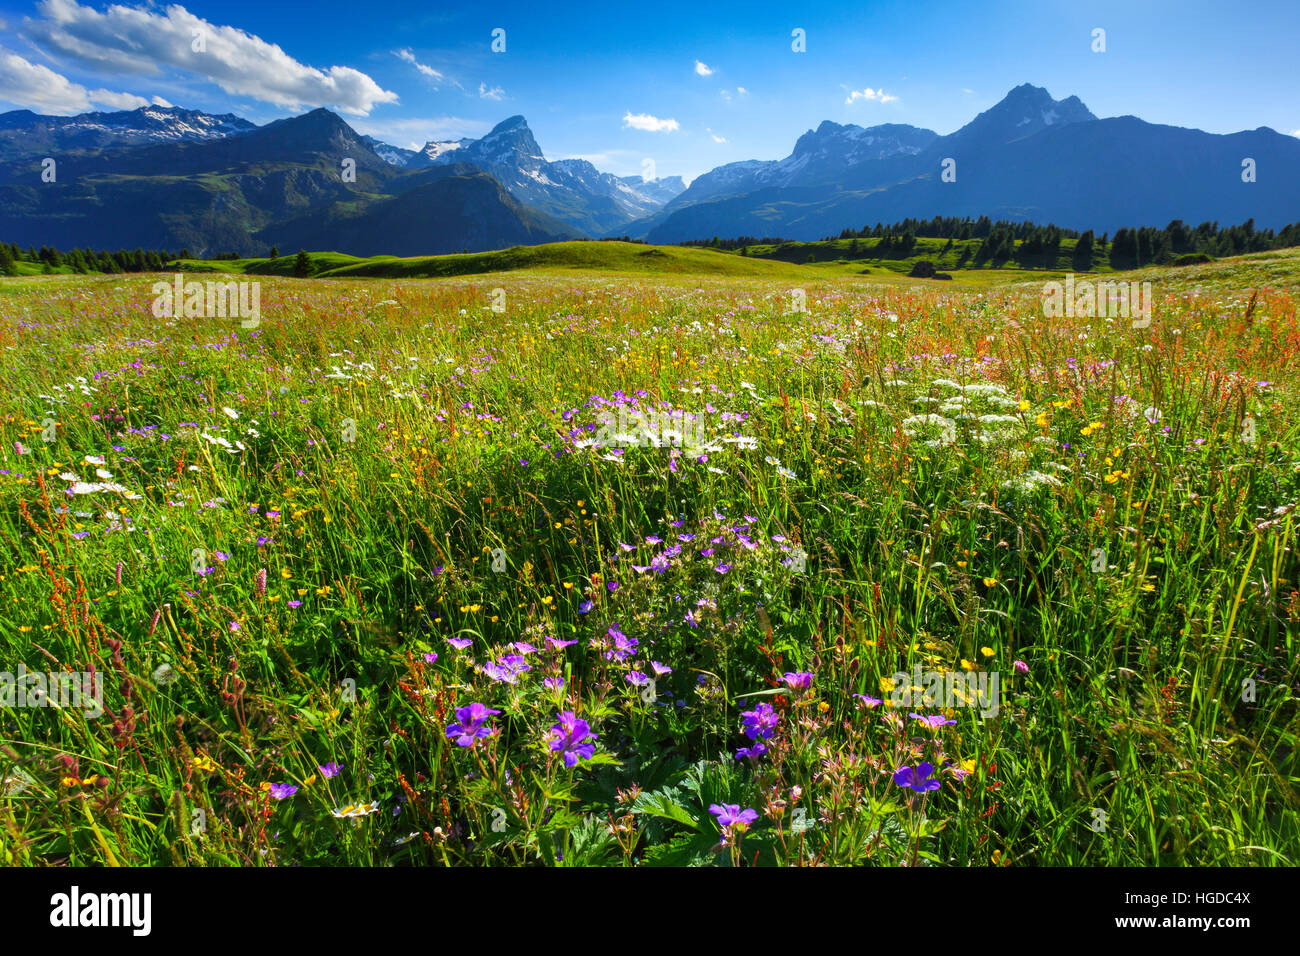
{"x": 1032, "y": 243}
{"x": 88, "y": 261}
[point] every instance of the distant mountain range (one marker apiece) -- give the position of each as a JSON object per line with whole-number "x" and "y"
{"x": 1029, "y": 158}
{"x": 24, "y": 133}
{"x": 166, "y": 177}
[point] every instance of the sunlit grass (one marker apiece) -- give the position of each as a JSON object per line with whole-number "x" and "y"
{"x": 1153, "y": 719}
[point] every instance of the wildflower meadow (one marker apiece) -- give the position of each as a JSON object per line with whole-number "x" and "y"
{"x": 613, "y": 569}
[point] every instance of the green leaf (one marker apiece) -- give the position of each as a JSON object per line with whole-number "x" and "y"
{"x": 659, "y": 805}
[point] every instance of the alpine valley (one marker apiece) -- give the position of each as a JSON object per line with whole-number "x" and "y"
{"x": 170, "y": 178}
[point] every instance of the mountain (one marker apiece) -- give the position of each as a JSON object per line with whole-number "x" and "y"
{"x": 169, "y": 178}
{"x": 227, "y": 194}
{"x": 1030, "y": 157}
{"x": 571, "y": 190}
{"x": 432, "y": 150}
{"x": 662, "y": 190}
{"x": 414, "y": 158}
{"x": 24, "y": 133}
{"x": 825, "y": 157}
{"x": 447, "y": 209}
{"x": 394, "y": 155}
{"x": 820, "y": 156}
{"x": 1022, "y": 113}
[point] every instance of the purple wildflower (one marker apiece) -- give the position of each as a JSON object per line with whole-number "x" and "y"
{"x": 508, "y": 668}
{"x": 623, "y": 645}
{"x": 732, "y": 819}
{"x": 798, "y": 680}
{"x": 470, "y": 726}
{"x": 570, "y": 737}
{"x": 919, "y": 779}
{"x": 760, "y": 722}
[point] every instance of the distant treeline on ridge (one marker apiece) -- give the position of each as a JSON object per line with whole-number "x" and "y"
{"x": 999, "y": 242}
{"x": 1004, "y": 240}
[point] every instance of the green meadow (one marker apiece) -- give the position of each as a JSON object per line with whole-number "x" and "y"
{"x": 610, "y": 554}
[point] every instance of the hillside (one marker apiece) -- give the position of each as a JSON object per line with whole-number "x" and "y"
{"x": 552, "y": 257}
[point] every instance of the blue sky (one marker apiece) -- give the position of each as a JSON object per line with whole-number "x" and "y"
{"x": 688, "y": 86}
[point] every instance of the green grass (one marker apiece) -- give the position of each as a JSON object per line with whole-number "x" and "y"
{"x": 794, "y": 259}
{"x": 622, "y": 257}
{"x": 400, "y": 438}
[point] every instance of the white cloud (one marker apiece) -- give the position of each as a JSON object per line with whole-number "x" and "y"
{"x": 741, "y": 91}
{"x": 1295, "y": 132}
{"x": 715, "y": 136}
{"x": 965, "y": 90}
{"x": 37, "y": 87}
{"x": 119, "y": 101}
{"x": 427, "y": 70}
{"x": 420, "y": 130}
{"x": 649, "y": 123}
{"x": 159, "y": 101}
{"x": 139, "y": 40}
{"x": 727, "y": 94}
{"x": 702, "y": 70}
{"x": 612, "y": 160}
{"x": 495, "y": 93}
{"x": 879, "y": 96}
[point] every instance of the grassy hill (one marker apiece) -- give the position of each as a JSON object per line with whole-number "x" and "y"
{"x": 848, "y": 257}
{"x": 550, "y": 257}
{"x": 1276, "y": 267}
